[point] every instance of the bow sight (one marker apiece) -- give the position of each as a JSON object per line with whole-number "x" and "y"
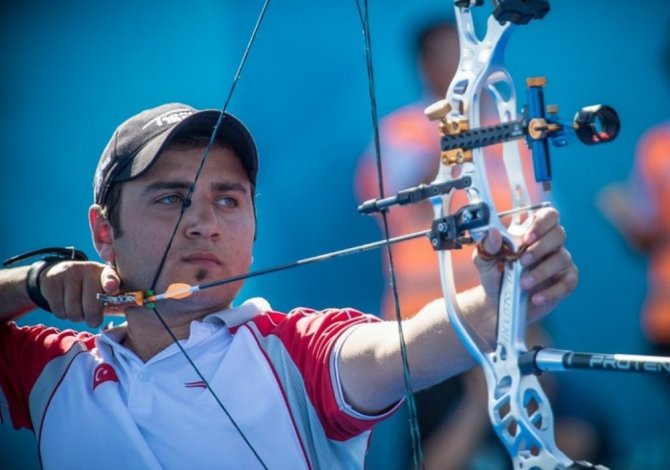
{"x": 595, "y": 124}
{"x": 539, "y": 125}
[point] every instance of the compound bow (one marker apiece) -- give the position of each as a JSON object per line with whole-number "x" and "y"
{"x": 518, "y": 407}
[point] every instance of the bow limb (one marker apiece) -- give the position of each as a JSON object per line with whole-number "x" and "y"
{"x": 518, "y": 407}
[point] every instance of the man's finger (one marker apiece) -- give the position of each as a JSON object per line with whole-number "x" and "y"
{"x": 72, "y": 298}
{"x": 544, "y": 221}
{"x": 92, "y": 308}
{"x": 553, "y": 241}
{"x": 109, "y": 280}
{"x": 552, "y": 267}
{"x": 545, "y": 299}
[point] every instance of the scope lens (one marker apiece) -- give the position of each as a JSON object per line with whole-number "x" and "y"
{"x": 597, "y": 124}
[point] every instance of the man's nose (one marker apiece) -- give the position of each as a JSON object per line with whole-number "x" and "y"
{"x": 201, "y": 220}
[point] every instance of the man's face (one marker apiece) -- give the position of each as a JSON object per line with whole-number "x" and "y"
{"x": 439, "y": 60}
{"x": 214, "y": 238}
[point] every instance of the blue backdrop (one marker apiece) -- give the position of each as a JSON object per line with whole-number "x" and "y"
{"x": 74, "y": 69}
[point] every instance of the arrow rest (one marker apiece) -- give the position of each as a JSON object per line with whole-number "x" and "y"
{"x": 448, "y": 233}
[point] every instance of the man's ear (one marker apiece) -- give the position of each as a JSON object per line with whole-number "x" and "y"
{"x": 102, "y": 233}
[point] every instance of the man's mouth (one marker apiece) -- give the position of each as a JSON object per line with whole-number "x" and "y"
{"x": 202, "y": 259}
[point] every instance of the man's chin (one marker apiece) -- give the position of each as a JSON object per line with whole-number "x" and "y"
{"x": 202, "y": 275}
{"x": 205, "y": 301}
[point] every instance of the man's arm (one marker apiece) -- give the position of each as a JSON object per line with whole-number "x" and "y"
{"x": 14, "y": 300}
{"x": 70, "y": 288}
{"x": 369, "y": 363}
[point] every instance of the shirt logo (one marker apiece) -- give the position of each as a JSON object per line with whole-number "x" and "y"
{"x": 198, "y": 384}
{"x": 104, "y": 373}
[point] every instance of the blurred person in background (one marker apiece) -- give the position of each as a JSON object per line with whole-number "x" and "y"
{"x": 639, "y": 209}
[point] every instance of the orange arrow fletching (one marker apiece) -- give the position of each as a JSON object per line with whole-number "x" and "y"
{"x": 175, "y": 291}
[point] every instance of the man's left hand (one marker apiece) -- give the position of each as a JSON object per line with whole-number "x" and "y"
{"x": 550, "y": 274}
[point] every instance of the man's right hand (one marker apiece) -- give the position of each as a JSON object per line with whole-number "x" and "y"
{"x": 70, "y": 288}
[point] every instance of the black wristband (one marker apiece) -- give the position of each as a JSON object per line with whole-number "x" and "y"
{"x": 33, "y": 282}
{"x": 52, "y": 256}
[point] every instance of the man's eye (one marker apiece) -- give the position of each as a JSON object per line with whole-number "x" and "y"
{"x": 227, "y": 201}
{"x": 171, "y": 199}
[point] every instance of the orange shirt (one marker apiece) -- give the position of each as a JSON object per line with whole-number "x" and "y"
{"x": 651, "y": 194}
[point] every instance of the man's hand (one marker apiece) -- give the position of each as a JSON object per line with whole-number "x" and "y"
{"x": 550, "y": 273}
{"x": 70, "y": 287}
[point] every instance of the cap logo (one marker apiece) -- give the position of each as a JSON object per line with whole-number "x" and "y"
{"x": 169, "y": 118}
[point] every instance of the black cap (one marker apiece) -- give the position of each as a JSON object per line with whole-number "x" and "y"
{"x": 137, "y": 143}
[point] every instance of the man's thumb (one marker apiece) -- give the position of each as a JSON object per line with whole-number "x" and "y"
{"x": 489, "y": 248}
{"x": 110, "y": 280}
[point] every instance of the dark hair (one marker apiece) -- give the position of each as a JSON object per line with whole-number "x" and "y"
{"x": 110, "y": 208}
{"x": 424, "y": 33}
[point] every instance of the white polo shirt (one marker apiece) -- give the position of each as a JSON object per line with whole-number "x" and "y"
{"x": 93, "y": 402}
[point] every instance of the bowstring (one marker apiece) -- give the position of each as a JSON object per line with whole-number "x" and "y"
{"x": 414, "y": 429}
{"x": 212, "y": 138}
{"x": 417, "y": 453}
{"x": 185, "y": 205}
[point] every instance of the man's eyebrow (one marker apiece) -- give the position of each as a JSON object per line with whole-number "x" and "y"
{"x": 185, "y": 185}
{"x": 229, "y": 186}
{"x": 161, "y": 185}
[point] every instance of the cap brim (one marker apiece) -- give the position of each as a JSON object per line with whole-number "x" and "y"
{"x": 231, "y": 131}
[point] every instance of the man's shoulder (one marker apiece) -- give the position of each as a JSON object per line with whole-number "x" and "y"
{"x": 305, "y": 320}
{"x": 656, "y": 137}
{"x": 26, "y": 352}
{"x": 46, "y": 337}
{"x": 659, "y": 131}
